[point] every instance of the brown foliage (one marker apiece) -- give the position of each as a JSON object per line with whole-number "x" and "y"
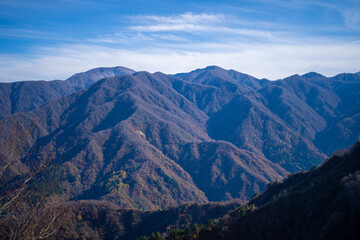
{"x": 24, "y": 214}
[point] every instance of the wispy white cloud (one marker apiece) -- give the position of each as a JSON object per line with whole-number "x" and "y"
{"x": 196, "y": 24}
{"x": 184, "y": 42}
{"x": 349, "y": 9}
{"x": 25, "y": 33}
{"x": 187, "y": 22}
{"x": 186, "y": 27}
{"x": 263, "y": 60}
{"x": 120, "y": 38}
{"x": 352, "y": 17}
{"x": 186, "y": 18}
{"x": 191, "y": 28}
{"x": 170, "y": 37}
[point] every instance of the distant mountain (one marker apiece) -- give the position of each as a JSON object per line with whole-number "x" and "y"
{"x": 27, "y": 95}
{"x": 320, "y": 204}
{"x": 228, "y": 79}
{"x": 149, "y": 141}
{"x": 85, "y": 79}
{"x": 347, "y": 77}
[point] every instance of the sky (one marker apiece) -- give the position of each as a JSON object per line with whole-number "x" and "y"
{"x": 42, "y": 39}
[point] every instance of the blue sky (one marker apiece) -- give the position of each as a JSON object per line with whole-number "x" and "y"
{"x": 42, "y": 39}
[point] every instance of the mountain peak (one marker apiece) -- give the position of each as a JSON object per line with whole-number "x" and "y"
{"x": 313, "y": 75}
{"x": 292, "y": 77}
{"x": 118, "y": 70}
{"x": 85, "y": 79}
{"x": 217, "y": 76}
{"x": 347, "y": 77}
{"x": 213, "y": 67}
{"x": 208, "y": 68}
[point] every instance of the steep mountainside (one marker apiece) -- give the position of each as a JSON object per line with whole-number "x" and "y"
{"x": 155, "y": 140}
{"x": 132, "y": 140}
{"x": 28, "y": 95}
{"x": 320, "y": 204}
{"x": 103, "y": 220}
{"x": 248, "y": 124}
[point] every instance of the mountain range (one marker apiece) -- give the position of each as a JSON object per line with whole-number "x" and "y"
{"x": 149, "y": 141}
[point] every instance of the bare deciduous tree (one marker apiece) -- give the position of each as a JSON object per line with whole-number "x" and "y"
{"x": 24, "y": 214}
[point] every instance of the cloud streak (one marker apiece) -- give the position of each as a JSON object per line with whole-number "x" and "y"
{"x": 352, "y": 18}
{"x": 187, "y": 22}
{"x": 265, "y": 60}
{"x": 217, "y": 25}
{"x": 185, "y": 18}
{"x": 184, "y": 42}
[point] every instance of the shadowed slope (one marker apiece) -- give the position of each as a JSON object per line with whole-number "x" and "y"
{"x": 248, "y": 124}
{"x": 103, "y": 220}
{"x": 320, "y": 204}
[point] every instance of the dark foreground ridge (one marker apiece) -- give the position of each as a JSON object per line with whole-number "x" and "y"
{"x": 320, "y": 204}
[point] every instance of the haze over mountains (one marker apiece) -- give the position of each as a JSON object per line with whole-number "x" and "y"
{"x": 147, "y": 141}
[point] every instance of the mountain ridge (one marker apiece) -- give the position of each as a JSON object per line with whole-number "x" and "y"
{"x": 25, "y": 96}
{"x": 147, "y": 141}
